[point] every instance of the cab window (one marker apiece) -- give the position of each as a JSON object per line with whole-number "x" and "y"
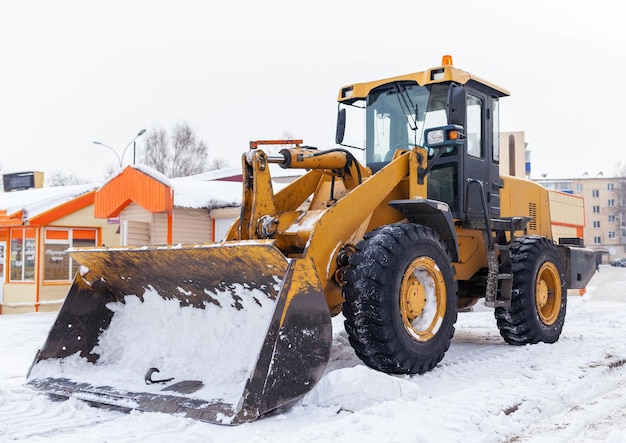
{"x": 474, "y": 126}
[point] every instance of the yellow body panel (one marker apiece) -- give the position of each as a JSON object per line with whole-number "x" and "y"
{"x": 472, "y": 253}
{"x": 521, "y": 197}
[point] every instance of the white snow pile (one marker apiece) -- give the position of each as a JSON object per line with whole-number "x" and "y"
{"x": 483, "y": 391}
{"x": 160, "y": 333}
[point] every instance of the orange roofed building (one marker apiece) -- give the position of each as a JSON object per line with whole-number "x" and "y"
{"x": 37, "y": 226}
{"x": 155, "y": 210}
{"x": 135, "y": 206}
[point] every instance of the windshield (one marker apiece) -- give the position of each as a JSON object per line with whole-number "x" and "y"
{"x": 394, "y": 116}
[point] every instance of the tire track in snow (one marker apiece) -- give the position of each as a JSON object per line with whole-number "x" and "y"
{"x": 485, "y": 383}
{"x": 31, "y": 415}
{"x": 535, "y": 385}
{"x": 596, "y": 418}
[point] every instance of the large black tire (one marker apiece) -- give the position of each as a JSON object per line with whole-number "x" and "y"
{"x": 539, "y": 297}
{"x": 401, "y": 301}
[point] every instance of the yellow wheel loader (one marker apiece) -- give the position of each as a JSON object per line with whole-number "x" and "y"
{"x": 400, "y": 242}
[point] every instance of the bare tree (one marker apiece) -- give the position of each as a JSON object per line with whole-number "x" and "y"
{"x": 109, "y": 170}
{"x": 61, "y": 178}
{"x": 156, "y": 150}
{"x": 190, "y": 154}
{"x": 177, "y": 155}
{"x": 218, "y": 163}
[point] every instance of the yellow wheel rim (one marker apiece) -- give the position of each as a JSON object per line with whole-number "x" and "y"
{"x": 422, "y": 299}
{"x": 548, "y": 293}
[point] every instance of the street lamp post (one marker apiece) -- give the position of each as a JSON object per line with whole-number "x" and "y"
{"x": 120, "y": 158}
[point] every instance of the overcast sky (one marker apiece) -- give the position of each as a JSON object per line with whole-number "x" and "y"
{"x": 72, "y": 72}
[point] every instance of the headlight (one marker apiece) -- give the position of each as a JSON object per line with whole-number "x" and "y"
{"x": 435, "y": 137}
{"x": 449, "y": 135}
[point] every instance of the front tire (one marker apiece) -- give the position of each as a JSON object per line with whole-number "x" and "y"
{"x": 401, "y": 299}
{"x": 539, "y": 298}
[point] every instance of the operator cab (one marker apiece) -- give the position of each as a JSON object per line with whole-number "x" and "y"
{"x": 384, "y": 116}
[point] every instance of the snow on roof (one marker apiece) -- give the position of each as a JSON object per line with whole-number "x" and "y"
{"x": 216, "y": 174}
{"x": 204, "y": 190}
{"x": 211, "y": 194}
{"x": 39, "y": 200}
{"x": 154, "y": 174}
{"x": 198, "y": 191}
{"x": 220, "y": 174}
{"x": 209, "y": 190}
{"x": 146, "y": 170}
{"x": 205, "y": 194}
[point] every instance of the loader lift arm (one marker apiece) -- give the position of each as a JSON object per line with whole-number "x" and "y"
{"x": 323, "y": 211}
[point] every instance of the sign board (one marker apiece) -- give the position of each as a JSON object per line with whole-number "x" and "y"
{"x": 22, "y": 180}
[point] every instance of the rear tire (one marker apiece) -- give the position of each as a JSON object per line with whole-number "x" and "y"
{"x": 401, "y": 299}
{"x": 539, "y": 298}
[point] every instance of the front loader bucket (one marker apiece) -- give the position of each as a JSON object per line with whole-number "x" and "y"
{"x": 217, "y": 332}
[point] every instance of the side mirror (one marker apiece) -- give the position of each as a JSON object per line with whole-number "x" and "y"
{"x": 341, "y": 126}
{"x": 456, "y": 100}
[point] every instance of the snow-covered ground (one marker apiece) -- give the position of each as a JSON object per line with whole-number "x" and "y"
{"x": 483, "y": 391}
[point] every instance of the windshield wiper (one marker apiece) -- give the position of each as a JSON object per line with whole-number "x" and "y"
{"x": 406, "y": 104}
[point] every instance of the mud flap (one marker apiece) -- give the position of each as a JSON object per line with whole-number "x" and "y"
{"x": 220, "y": 332}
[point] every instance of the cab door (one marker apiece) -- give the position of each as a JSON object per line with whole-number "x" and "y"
{"x": 480, "y": 166}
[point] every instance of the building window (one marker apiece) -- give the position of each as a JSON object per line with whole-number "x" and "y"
{"x": 610, "y": 187}
{"x": 611, "y": 234}
{"x": 579, "y": 187}
{"x": 611, "y": 203}
{"x": 596, "y": 224}
{"x": 22, "y": 261}
{"x": 612, "y": 219}
{"x": 597, "y": 240}
{"x": 58, "y": 265}
{"x": 596, "y": 209}
{"x": 595, "y": 193}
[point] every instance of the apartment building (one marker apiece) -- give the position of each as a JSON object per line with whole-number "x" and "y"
{"x": 605, "y": 211}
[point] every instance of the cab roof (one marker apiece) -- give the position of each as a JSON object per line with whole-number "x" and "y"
{"x": 440, "y": 74}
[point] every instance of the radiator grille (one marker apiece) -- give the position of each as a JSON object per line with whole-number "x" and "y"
{"x": 532, "y": 213}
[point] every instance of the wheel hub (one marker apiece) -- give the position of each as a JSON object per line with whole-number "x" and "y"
{"x": 414, "y": 299}
{"x": 548, "y": 293}
{"x": 542, "y": 294}
{"x": 422, "y": 299}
